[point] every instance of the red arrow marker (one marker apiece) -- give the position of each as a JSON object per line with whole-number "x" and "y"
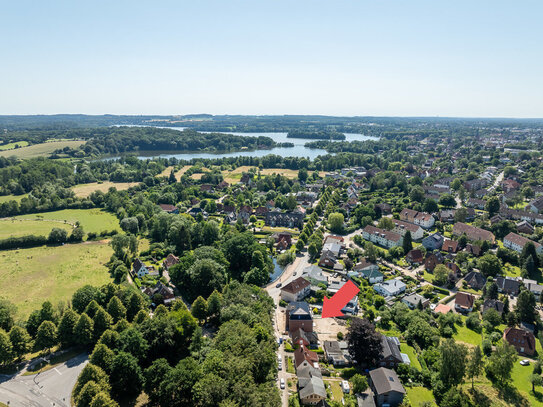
{"x": 331, "y": 307}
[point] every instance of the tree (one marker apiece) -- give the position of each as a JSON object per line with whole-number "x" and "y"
{"x": 475, "y": 364}
{"x": 132, "y": 341}
{"x": 91, "y": 373}
{"x": 500, "y": 363}
{"x": 313, "y": 250}
{"x": 360, "y": 383}
{"x": 386, "y": 223}
{"x": 525, "y": 308}
{"x": 529, "y": 251}
{"x": 453, "y": 363}
{"x": 535, "y": 380}
{"x": 83, "y": 296}
{"x": 430, "y": 206}
{"x": 335, "y": 221}
{"x": 116, "y": 309}
{"x": 57, "y": 236}
{"x": 447, "y": 200}
{"x": 214, "y": 302}
{"x": 66, "y": 327}
{"x": 489, "y": 265}
{"x": 154, "y": 376}
{"x": 199, "y": 309}
{"x": 83, "y": 330}
{"x": 492, "y": 319}
{"x": 492, "y": 291}
{"x": 87, "y": 393}
{"x": 407, "y": 242}
{"x": 6, "y": 348}
{"x": 20, "y": 341}
{"x": 46, "y": 337}
{"x": 135, "y": 304}
{"x": 416, "y": 194}
{"x": 364, "y": 343}
{"x": 440, "y": 274}
{"x": 302, "y": 174}
{"x": 171, "y": 178}
{"x": 492, "y": 206}
{"x": 102, "y": 356}
{"x": 7, "y": 313}
{"x": 126, "y": 376}
{"x": 103, "y": 399}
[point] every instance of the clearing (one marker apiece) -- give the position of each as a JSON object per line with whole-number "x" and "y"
{"x": 92, "y": 220}
{"x": 7, "y": 198}
{"x": 419, "y": 395}
{"x": 11, "y": 227}
{"x": 11, "y": 146}
{"x": 84, "y": 190}
{"x": 32, "y": 276}
{"x": 40, "y": 150}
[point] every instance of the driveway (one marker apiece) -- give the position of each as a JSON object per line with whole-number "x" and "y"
{"x": 50, "y": 388}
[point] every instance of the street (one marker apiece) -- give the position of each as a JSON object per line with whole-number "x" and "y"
{"x": 50, "y": 388}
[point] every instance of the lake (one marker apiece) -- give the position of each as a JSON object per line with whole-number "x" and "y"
{"x": 299, "y": 149}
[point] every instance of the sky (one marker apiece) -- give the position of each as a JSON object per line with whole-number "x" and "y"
{"x": 480, "y": 58}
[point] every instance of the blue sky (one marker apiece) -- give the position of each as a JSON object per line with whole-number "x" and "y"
{"x": 379, "y": 57}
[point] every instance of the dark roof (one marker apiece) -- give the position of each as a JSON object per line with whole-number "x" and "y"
{"x": 464, "y": 300}
{"x": 509, "y": 285}
{"x": 385, "y": 380}
{"x": 296, "y": 286}
{"x": 518, "y": 336}
{"x": 493, "y": 304}
{"x": 475, "y": 280}
{"x": 390, "y": 348}
{"x": 472, "y": 232}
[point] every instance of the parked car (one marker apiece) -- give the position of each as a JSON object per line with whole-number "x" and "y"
{"x": 282, "y": 383}
{"x": 524, "y": 362}
{"x": 278, "y": 285}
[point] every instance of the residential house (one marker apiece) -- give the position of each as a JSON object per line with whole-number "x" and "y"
{"x": 369, "y": 271}
{"x": 387, "y": 387}
{"x": 525, "y": 227}
{"x": 160, "y": 289}
{"x": 311, "y": 388}
{"x": 475, "y": 280}
{"x": 335, "y": 248}
{"x": 413, "y": 300}
{"x": 382, "y": 237}
{"x": 496, "y": 305}
{"x": 516, "y": 242}
{"x": 169, "y": 261}
{"x": 476, "y": 203}
{"x": 424, "y": 220}
{"x": 463, "y": 302}
{"x": 473, "y": 249}
{"x": 475, "y": 184}
{"x": 386, "y": 209}
{"x": 328, "y": 260}
{"x": 450, "y": 246}
{"x": 301, "y": 337}
{"x": 446, "y": 215}
{"x": 533, "y": 287}
{"x": 536, "y": 206}
{"x": 522, "y": 215}
{"x": 390, "y": 354}
{"x": 315, "y": 275}
{"x": 432, "y": 260}
{"x": 139, "y": 269}
{"x": 414, "y": 257}
{"x": 473, "y": 233}
{"x": 334, "y": 354}
{"x": 303, "y": 354}
{"x": 402, "y": 228}
{"x": 509, "y": 185}
{"x": 508, "y": 285}
{"x": 442, "y": 309}
{"x": 521, "y": 339}
{"x": 433, "y": 242}
{"x": 169, "y": 208}
{"x": 296, "y": 290}
{"x": 390, "y": 288}
{"x": 294, "y": 219}
{"x": 298, "y": 316}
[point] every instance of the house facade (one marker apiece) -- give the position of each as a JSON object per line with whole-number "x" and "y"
{"x": 296, "y": 290}
{"x": 382, "y": 237}
{"x": 517, "y": 242}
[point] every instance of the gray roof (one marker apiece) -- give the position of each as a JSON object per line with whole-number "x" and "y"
{"x": 414, "y": 299}
{"x": 390, "y": 349}
{"x": 385, "y": 380}
{"x": 314, "y": 385}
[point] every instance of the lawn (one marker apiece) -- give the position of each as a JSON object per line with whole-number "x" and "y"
{"x": 40, "y": 150}
{"x": 419, "y": 395}
{"x": 84, "y": 190}
{"x": 20, "y": 227}
{"x": 466, "y": 335}
{"x": 92, "y": 220}
{"x": 30, "y": 276}
{"x": 7, "y": 198}
{"x": 11, "y": 146}
{"x": 405, "y": 348}
{"x": 337, "y": 393}
{"x": 521, "y": 381}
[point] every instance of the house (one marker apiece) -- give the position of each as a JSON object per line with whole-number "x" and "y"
{"x": 516, "y": 242}
{"x": 450, "y": 246}
{"x": 414, "y": 256}
{"x": 521, "y": 339}
{"x": 432, "y": 260}
{"x": 313, "y": 392}
{"x": 533, "y": 287}
{"x": 301, "y": 337}
{"x": 298, "y": 316}
{"x": 223, "y": 185}
{"x": 333, "y": 247}
{"x": 402, "y": 228}
{"x": 139, "y": 269}
{"x": 315, "y": 275}
{"x": 390, "y": 355}
{"x": 296, "y": 290}
{"x": 525, "y": 227}
{"x": 195, "y": 211}
{"x": 169, "y": 208}
{"x": 475, "y": 280}
{"x": 387, "y": 387}
{"x": 446, "y": 215}
{"x": 335, "y": 239}
{"x": 473, "y": 249}
{"x": 496, "y": 219}
{"x": 334, "y": 354}
{"x": 369, "y": 271}
{"x": 464, "y": 302}
{"x": 473, "y": 233}
{"x": 508, "y": 285}
{"x": 433, "y": 242}
{"x": 303, "y": 354}
{"x": 423, "y": 219}
{"x": 164, "y": 291}
{"x": 496, "y": 305}
{"x": 442, "y": 309}
{"x": 207, "y": 188}
{"x": 382, "y": 237}
{"x": 169, "y": 261}
{"x": 522, "y": 215}
{"x": 536, "y": 206}
{"x": 328, "y": 260}
{"x": 475, "y": 184}
{"x": 390, "y": 288}
{"x": 476, "y": 203}
{"x": 509, "y": 185}
{"x": 386, "y": 209}
{"x": 261, "y": 211}
{"x": 413, "y": 300}
{"x": 294, "y": 219}
{"x": 351, "y": 307}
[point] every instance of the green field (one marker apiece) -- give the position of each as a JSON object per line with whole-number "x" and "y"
{"x": 92, "y": 220}
{"x": 30, "y": 276}
{"x": 468, "y": 336}
{"x": 19, "y": 227}
{"x": 11, "y": 146}
{"x": 409, "y": 351}
{"x": 7, "y": 198}
{"x": 419, "y": 395}
{"x": 40, "y": 150}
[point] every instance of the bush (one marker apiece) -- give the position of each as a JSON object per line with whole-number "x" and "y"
{"x": 283, "y": 303}
{"x": 474, "y": 323}
{"x": 487, "y": 347}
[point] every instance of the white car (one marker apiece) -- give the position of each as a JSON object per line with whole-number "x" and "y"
{"x": 282, "y": 383}
{"x": 524, "y": 362}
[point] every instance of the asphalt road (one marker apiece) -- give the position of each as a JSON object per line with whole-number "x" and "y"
{"x": 50, "y": 388}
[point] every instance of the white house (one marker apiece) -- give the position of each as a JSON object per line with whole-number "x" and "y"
{"x": 402, "y": 227}
{"x": 516, "y": 242}
{"x": 423, "y": 219}
{"x": 296, "y": 290}
{"x": 139, "y": 268}
{"x": 390, "y": 288}
{"x": 382, "y": 237}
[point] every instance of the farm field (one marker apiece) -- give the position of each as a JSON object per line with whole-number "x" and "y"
{"x": 235, "y": 175}
{"x": 7, "y": 198}
{"x": 21, "y": 227}
{"x": 11, "y": 146}
{"x": 54, "y": 273}
{"x": 92, "y": 220}
{"x": 40, "y": 150}
{"x": 84, "y": 190}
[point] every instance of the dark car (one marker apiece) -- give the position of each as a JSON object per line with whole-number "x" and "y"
{"x": 278, "y": 285}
